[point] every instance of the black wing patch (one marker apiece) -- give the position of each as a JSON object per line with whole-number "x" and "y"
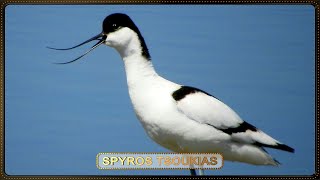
{"x": 277, "y": 146}
{"x": 243, "y": 127}
{"x": 186, "y": 90}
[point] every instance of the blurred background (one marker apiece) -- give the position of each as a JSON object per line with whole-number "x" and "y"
{"x": 258, "y": 59}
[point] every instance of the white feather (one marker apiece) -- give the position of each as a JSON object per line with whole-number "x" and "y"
{"x": 206, "y": 109}
{"x": 182, "y": 126}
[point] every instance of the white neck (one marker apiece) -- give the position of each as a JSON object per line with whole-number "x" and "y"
{"x": 125, "y": 41}
{"x": 138, "y": 69}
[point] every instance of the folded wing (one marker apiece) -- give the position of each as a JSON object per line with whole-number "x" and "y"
{"x": 206, "y": 109}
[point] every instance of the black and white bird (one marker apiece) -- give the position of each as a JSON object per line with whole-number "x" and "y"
{"x": 180, "y": 118}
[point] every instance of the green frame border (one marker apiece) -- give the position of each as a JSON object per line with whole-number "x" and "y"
{"x": 4, "y": 3}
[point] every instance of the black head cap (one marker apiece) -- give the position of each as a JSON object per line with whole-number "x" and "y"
{"x": 116, "y": 21}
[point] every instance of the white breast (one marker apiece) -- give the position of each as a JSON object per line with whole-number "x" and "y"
{"x": 151, "y": 96}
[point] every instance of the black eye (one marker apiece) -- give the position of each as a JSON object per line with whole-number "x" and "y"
{"x": 115, "y": 26}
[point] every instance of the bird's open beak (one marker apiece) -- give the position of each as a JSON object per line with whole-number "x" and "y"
{"x": 101, "y": 39}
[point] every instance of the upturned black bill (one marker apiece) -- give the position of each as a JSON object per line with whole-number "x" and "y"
{"x": 101, "y": 37}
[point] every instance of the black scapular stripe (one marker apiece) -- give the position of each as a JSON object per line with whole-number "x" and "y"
{"x": 243, "y": 127}
{"x": 277, "y": 146}
{"x": 186, "y": 90}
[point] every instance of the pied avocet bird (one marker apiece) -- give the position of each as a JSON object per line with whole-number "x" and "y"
{"x": 180, "y": 118}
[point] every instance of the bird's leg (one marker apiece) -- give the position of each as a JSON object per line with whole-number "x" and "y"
{"x": 201, "y": 172}
{"x": 193, "y": 172}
